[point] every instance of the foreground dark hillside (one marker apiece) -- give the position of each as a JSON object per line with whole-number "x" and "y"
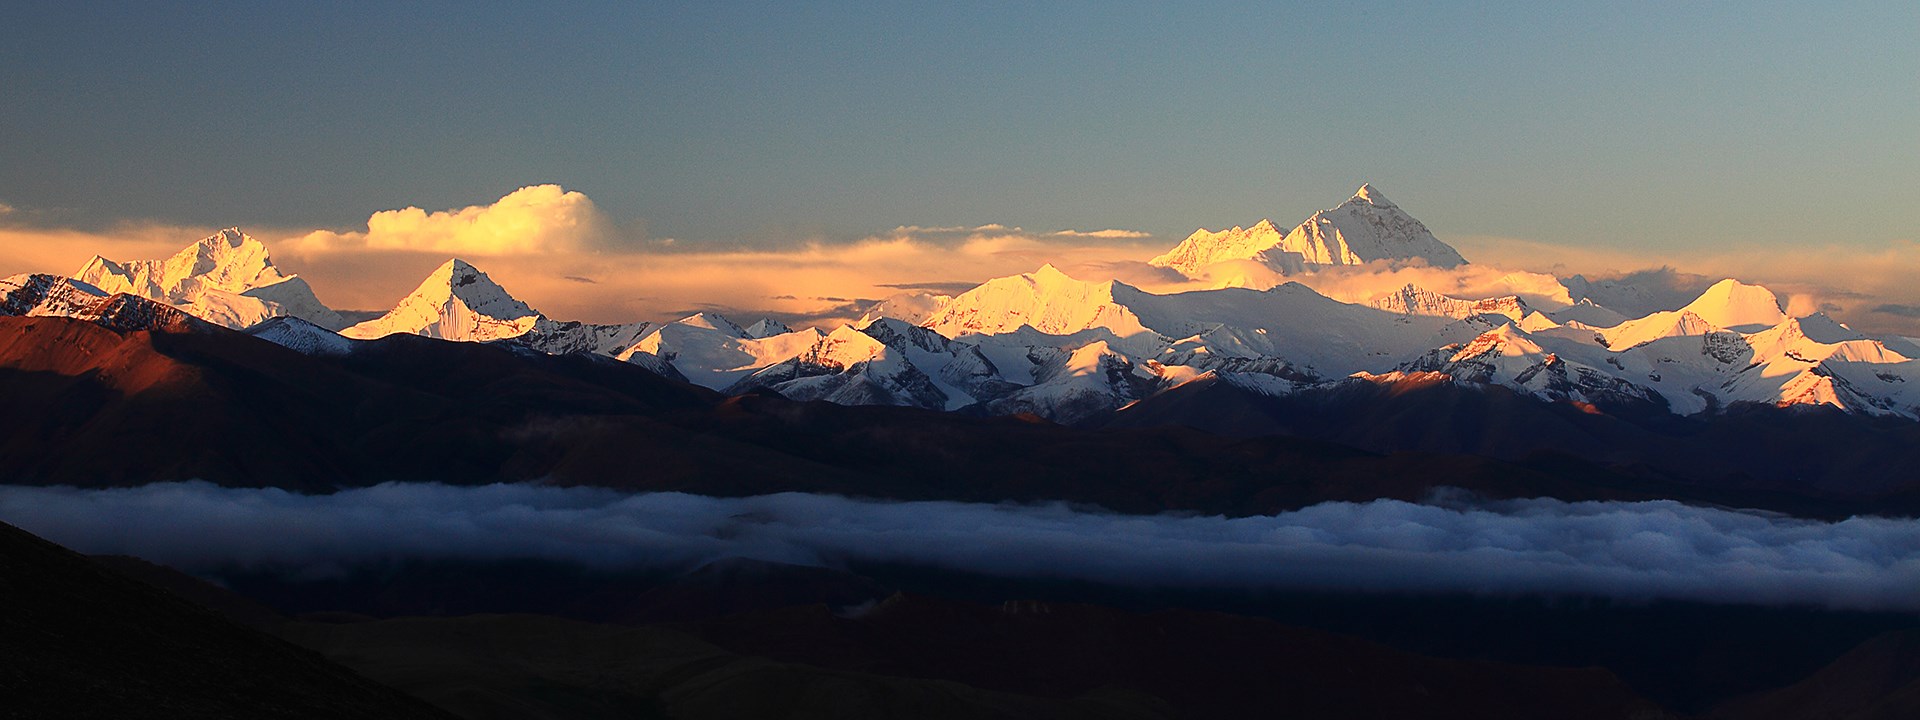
{"x": 83, "y": 641}
{"x": 95, "y": 406}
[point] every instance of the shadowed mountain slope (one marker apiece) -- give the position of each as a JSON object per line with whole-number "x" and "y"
{"x": 84, "y": 641}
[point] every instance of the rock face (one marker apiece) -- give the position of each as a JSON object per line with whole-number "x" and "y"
{"x": 227, "y": 279}
{"x": 1416, "y": 300}
{"x": 1365, "y": 228}
{"x": 55, "y": 296}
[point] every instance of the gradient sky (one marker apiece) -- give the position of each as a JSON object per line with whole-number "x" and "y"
{"x": 1652, "y": 125}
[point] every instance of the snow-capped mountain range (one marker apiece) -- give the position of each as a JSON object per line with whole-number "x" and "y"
{"x": 1066, "y": 349}
{"x": 1366, "y": 228}
{"x": 226, "y": 279}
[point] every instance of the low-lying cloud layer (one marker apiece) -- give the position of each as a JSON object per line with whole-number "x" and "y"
{"x": 1627, "y": 550}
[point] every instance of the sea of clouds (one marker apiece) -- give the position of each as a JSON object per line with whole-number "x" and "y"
{"x": 1641, "y": 550}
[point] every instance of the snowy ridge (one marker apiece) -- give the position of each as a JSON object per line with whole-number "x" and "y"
{"x": 302, "y": 337}
{"x": 1415, "y": 300}
{"x": 40, "y": 295}
{"x": 1046, "y": 300}
{"x": 227, "y": 278}
{"x": 1366, "y": 228}
{"x": 1072, "y": 350}
{"x": 455, "y": 302}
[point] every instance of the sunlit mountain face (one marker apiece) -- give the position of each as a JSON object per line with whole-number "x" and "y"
{"x": 1278, "y": 475}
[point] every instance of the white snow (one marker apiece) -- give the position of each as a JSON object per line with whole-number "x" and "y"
{"x": 1366, "y": 228}
{"x": 228, "y": 279}
{"x": 1736, "y": 305}
{"x": 455, "y": 302}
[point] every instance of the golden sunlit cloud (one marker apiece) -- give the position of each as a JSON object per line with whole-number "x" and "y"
{"x": 533, "y": 220}
{"x": 819, "y": 283}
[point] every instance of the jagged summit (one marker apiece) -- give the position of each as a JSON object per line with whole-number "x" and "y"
{"x": 1415, "y": 300}
{"x": 1366, "y": 228}
{"x": 766, "y": 328}
{"x": 227, "y": 278}
{"x": 41, "y": 295}
{"x": 455, "y": 302}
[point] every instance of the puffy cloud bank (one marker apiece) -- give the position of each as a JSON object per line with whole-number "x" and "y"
{"x": 1627, "y": 550}
{"x": 535, "y": 219}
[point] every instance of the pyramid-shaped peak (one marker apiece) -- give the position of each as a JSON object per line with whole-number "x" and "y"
{"x": 458, "y": 276}
{"x": 1049, "y": 276}
{"x": 766, "y": 328}
{"x": 1365, "y": 228}
{"x": 455, "y": 302}
{"x": 1049, "y": 271}
{"x": 1370, "y": 195}
{"x": 457, "y": 266}
{"x": 712, "y": 321}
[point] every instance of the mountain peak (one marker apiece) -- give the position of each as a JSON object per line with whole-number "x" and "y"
{"x": 1047, "y": 299}
{"x": 459, "y": 278}
{"x": 457, "y": 273}
{"x": 1735, "y": 305}
{"x": 227, "y": 278}
{"x": 766, "y": 328}
{"x": 231, "y": 237}
{"x": 713, "y": 321}
{"x": 455, "y": 302}
{"x": 1368, "y": 194}
{"x": 1365, "y": 228}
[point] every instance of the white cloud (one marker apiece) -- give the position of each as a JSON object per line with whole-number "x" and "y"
{"x": 1639, "y": 550}
{"x": 537, "y": 219}
{"x": 1108, "y": 233}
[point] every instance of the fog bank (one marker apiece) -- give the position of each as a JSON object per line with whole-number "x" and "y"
{"x": 1625, "y": 550}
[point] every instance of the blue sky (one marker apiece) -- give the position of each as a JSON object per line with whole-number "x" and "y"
{"x": 1622, "y": 125}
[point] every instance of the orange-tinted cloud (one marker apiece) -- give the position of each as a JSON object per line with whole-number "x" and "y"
{"x": 816, "y": 280}
{"x": 533, "y": 220}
